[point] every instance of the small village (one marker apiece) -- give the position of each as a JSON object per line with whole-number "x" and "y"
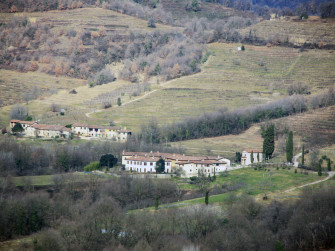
{"x": 34, "y": 129}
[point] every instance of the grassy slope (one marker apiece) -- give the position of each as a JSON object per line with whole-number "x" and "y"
{"x": 278, "y": 180}
{"x": 311, "y": 31}
{"x": 223, "y": 83}
{"x": 318, "y": 123}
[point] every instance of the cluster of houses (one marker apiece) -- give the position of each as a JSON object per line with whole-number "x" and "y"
{"x": 34, "y": 129}
{"x": 145, "y": 162}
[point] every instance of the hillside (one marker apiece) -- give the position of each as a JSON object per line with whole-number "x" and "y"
{"x": 314, "y": 129}
{"x": 230, "y": 79}
{"x": 314, "y": 31}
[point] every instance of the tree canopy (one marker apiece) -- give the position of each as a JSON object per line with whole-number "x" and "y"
{"x": 269, "y": 141}
{"x": 108, "y": 160}
{"x": 160, "y": 166}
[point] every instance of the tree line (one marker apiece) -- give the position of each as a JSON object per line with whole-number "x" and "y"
{"x": 223, "y": 121}
{"x": 22, "y": 158}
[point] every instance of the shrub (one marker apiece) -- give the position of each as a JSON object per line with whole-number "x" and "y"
{"x": 92, "y": 166}
{"x": 151, "y": 22}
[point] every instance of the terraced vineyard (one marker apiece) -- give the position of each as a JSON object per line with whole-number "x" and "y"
{"x": 316, "y": 127}
{"x": 88, "y": 18}
{"x": 310, "y": 31}
{"x": 230, "y": 79}
{"x": 208, "y": 10}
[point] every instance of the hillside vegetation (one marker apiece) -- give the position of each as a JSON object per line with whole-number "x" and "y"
{"x": 314, "y": 129}
{"x": 232, "y": 79}
{"x": 313, "y": 32}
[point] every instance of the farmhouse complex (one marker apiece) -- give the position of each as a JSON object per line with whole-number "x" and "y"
{"x": 34, "y": 129}
{"x": 144, "y": 162}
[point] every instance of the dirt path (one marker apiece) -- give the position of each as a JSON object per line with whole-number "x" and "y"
{"x": 330, "y": 175}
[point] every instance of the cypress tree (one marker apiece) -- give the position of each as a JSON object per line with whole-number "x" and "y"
{"x": 289, "y": 147}
{"x": 303, "y": 156}
{"x": 269, "y": 141}
{"x": 206, "y": 197}
{"x": 319, "y": 169}
{"x": 329, "y": 165}
{"x": 252, "y": 157}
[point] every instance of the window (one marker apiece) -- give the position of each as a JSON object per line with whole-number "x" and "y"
{"x": 127, "y": 162}
{"x": 150, "y": 163}
{"x": 145, "y": 163}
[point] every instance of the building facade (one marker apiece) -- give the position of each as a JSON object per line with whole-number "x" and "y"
{"x": 189, "y": 165}
{"x": 246, "y": 156}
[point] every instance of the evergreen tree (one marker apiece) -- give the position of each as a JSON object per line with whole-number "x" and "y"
{"x": 303, "y": 156}
{"x": 258, "y": 160}
{"x": 17, "y": 128}
{"x": 269, "y": 141}
{"x": 252, "y": 157}
{"x": 206, "y": 197}
{"x": 319, "y": 169}
{"x": 329, "y": 165}
{"x": 289, "y": 147}
{"x": 160, "y": 166}
{"x": 238, "y": 156}
{"x": 108, "y": 160}
{"x": 119, "y": 101}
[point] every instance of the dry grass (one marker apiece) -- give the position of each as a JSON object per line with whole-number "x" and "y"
{"x": 13, "y": 85}
{"x": 224, "y": 145}
{"x": 223, "y": 83}
{"x": 311, "y": 31}
{"x": 88, "y": 18}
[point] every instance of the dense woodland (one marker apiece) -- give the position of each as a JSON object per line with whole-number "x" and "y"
{"x": 93, "y": 216}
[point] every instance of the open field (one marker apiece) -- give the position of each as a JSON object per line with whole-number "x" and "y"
{"x": 252, "y": 182}
{"x": 314, "y": 30}
{"x": 230, "y": 79}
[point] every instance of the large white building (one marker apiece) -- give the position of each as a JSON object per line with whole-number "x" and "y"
{"x": 246, "y": 156}
{"x": 144, "y": 162}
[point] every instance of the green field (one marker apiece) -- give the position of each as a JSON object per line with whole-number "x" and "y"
{"x": 253, "y": 182}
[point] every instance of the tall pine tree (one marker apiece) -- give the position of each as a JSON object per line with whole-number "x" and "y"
{"x": 252, "y": 157}
{"x": 289, "y": 147}
{"x": 269, "y": 141}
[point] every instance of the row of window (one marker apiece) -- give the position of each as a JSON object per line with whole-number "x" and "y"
{"x": 138, "y": 169}
{"x": 143, "y": 163}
